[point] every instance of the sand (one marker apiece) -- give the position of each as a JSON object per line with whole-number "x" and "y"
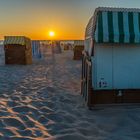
{"x": 42, "y": 101}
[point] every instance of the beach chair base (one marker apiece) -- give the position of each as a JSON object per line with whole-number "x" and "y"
{"x": 94, "y": 97}
{"x": 17, "y": 54}
{"x": 113, "y": 96}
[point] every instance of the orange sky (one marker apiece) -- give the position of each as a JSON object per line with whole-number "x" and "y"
{"x": 35, "y": 18}
{"x": 67, "y": 18}
{"x": 40, "y": 30}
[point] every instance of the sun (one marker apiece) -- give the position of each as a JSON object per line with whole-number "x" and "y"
{"x": 51, "y": 33}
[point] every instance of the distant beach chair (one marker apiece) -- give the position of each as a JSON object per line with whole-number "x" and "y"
{"x": 1, "y": 53}
{"x": 36, "y": 49}
{"x": 56, "y": 47}
{"x": 66, "y": 47}
{"x": 17, "y": 50}
{"x": 78, "y": 48}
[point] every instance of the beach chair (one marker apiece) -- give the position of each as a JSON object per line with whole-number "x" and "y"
{"x": 111, "y": 62}
{"x": 18, "y": 50}
{"x": 78, "y": 48}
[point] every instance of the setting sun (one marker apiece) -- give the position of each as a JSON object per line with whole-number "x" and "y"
{"x": 51, "y": 33}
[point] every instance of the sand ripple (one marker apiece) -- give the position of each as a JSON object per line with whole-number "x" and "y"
{"x": 42, "y": 102}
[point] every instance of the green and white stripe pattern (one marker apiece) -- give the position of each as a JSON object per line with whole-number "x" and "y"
{"x": 116, "y": 25}
{"x": 21, "y": 40}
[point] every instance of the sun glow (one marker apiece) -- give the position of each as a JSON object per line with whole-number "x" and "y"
{"x": 51, "y": 33}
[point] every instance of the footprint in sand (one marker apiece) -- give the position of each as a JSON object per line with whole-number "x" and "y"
{"x": 51, "y": 89}
{"x": 38, "y": 133}
{"x": 71, "y": 137}
{"x": 17, "y": 138}
{"x": 45, "y": 109}
{"x": 13, "y": 103}
{"x": 4, "y": 113}
{"x": 26, "y": 132}
{"x": 6, "y": 132}
{"x": 14, "y": 122}
{"x": 30, "y": 124}
{"x": 2, "y": 124}
{"x": 42, "y": 119}
{"x": 25, "y": 109}
{"x": 55, "y": 117}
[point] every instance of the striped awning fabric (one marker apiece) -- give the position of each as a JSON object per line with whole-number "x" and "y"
{"x": 78, "y": 42}
{"x": 115, "y": 25}
{"x": 21, "y": 40}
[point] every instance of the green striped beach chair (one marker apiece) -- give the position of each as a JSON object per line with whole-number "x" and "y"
{"x": 111, "y": 57}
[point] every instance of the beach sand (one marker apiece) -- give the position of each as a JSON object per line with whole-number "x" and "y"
{"x": 42, "y": 101}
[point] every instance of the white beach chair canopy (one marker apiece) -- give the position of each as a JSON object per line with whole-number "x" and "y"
{"x": 114, "y": 25}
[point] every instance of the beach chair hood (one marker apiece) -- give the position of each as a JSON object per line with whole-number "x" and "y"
{"x": 17, "y": 40}
{"x": 113, "y": 25}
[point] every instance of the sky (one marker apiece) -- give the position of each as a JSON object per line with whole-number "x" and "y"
{"x": 67, "y": 18}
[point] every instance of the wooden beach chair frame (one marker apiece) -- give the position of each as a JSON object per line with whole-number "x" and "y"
{"x": 114, "y": 94}
{"x": 97, "y": 97}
